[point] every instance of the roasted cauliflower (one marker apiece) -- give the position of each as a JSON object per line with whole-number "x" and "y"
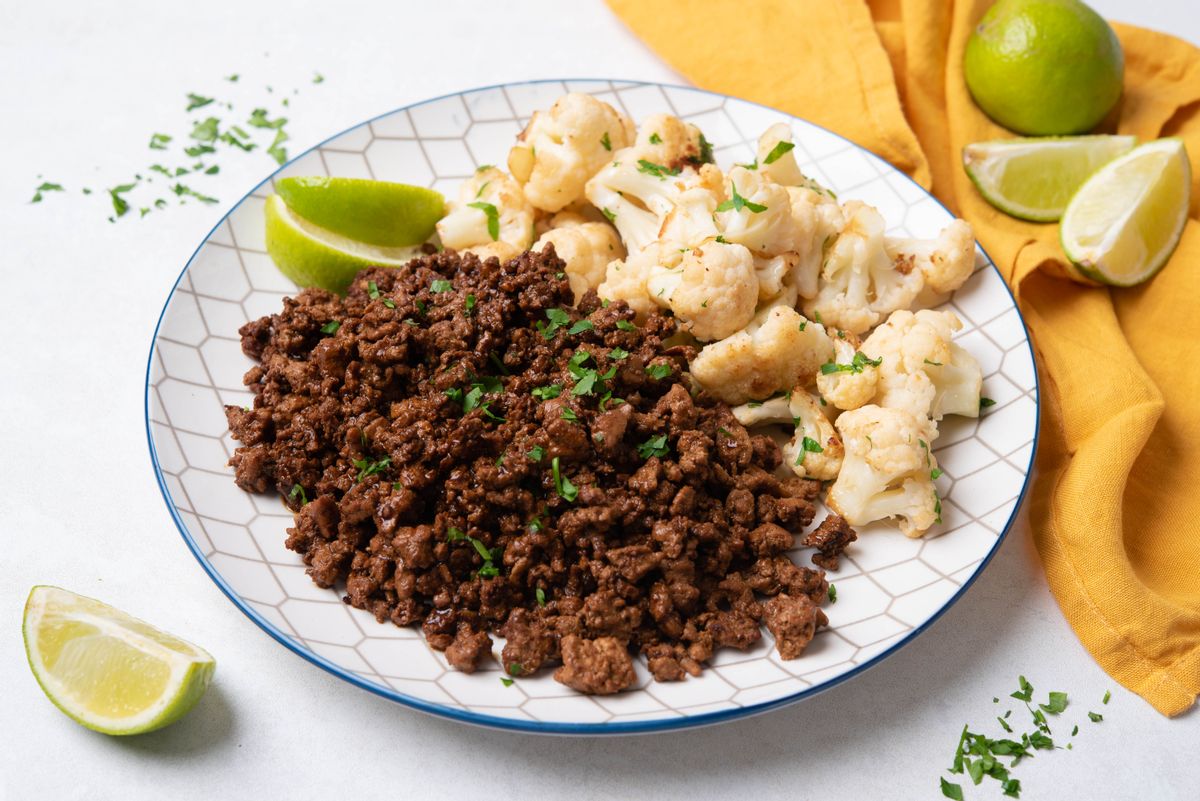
{"x": 562, "y": 148}
{"x": 778, "y": 350}
{"x": 887, "y": 471}
{"x": 815, "y": 450}
{"x": 850, "y": 379}
{"x": 586, "y": 247}
{"x": 626, "y": 280}
{"x": 922, "y": 371}
{"x": 945, "y": 263}
{"x": 490, "y": 208}
{"x": 756, "y": 213}
{"x": 713, "y": 290}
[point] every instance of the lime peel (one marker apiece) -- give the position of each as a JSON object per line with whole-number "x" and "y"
{"x": 107, "y": 670}
{"x": 380, "y": 213}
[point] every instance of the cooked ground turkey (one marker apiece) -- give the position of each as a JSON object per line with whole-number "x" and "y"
{"x": 467, "y": 452}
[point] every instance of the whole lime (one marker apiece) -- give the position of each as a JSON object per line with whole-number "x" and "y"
{"x": 1044, "y": 67}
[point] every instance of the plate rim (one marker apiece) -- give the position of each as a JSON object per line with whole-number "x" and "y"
{"x": 558, "y": 727}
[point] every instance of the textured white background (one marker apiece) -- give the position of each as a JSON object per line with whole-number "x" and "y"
{"x": 83, "y": 88}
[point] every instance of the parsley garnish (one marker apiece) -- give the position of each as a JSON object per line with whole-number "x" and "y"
{"x": 566, "y": 490}
{"x": 658, "y": 371}
{"x": 808, "y": 445}
{"x": 706, "y": 152}
{"x": 777, "y": 152}
{"x": 1107, "y": 696}
{"x": 625, "y": 325}
{"x": 655, "y": 139}
{"x": 546, "y": 392}
{"x": 331, "y": 327}
{"x": 369, "y": 468}
{"x": 655, "y": 446}
{"x": 737, "y": 203}
{"x": 159, "y": 141}
{"x": 722, "y": 240}
{"x": 536, "y": 453}
{"x": 197, "y": 101}
{"x": 439, "y": 286}
{"x": 618, "y": 354}
{"x": 506, "y": 681}
{"x": 612, "y": 216}
{"x": 985, "y": 402}
{"x": 580, "y": 327}
{"x": 318, "y": 78}
{"x": 540, "y": 595}
{"x": 493, "y": 218}
{"x": 205, "y": 131}
{"x": 298, "y": 490}
{"x": 832, "y": 594}
{"x": 935, "y": 473}
{"x": 856, "y": 364}
{"x": 372, "y": 290}
{"x": 569, "y": 415}
{"x": 952, "y": 790}
{"x": 933, "y": 364}
{"x": 657, "y": 170}
{"x": 258, "y": 119}
{"x": 1095, "y": 717}
{"x": 1058, "y": 702}
{"x": 469, "y": 307}
{"x": 605, "y": 142}
{"x": 803, "y": 324}
{"x": 47, "y": 187}
{"x": 557, "y": 317}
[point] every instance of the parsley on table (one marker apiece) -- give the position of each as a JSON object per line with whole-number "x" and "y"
{"x": 1107, "y": 696}
{"x": 1095, "y": 717}
{"x": 778, "y": 152}
{"x": 258, "y": 119}
{"x": 275, "y": 151}
{"x": 206, "y": 130}
{"x": 440, "y": 285}
{"x": 159, "y": 141}
{"x": 1057, "y": 703}
{"x": 952, "y": 790}
{"x": 655, "y": 446}
{"x": 737, "y": 203}
{"x": 657, "y": 170}
{"x": 605, "y": 142}
{"x": 45, "y": 186}
{"x": 506, "y": 681}
{"x": 367, "y": 467}
{"x": 856, "y": 365}
{"x": 196, "y": 101}
{"x": 493, "y": 217}
{"x": 1025, "y": 693}
{"x": 318, "y": 78}
{"x": 562, "y": 485}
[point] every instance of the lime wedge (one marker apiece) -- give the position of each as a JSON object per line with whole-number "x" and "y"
{"x": 375, "y": 212}
{"x": 1125, "y": 221}
{"x": 1034, "y": 179}
{"x": 314, "y": 256}
{"x": 107, "y": 670}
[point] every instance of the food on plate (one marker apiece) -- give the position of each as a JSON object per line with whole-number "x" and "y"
{"x": 1044, "y": 67}
{"x": 468, "y": 451}
{"x": 380, "y": 213}
{"x": 107, "y": 670}
{"x": 313, "y": 256}
{"x": 1124, "y": 223}
{"x": 1035, "y": 178}
{"x": 538, "y": 429}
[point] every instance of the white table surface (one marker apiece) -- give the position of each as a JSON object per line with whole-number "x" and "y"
{"x": 84, "y": 85}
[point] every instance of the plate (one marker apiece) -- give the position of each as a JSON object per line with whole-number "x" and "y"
{"x": 889, "y": 588}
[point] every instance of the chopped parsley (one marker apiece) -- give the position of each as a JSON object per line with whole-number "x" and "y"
{"x": 569, "y": 415}
{"x": 506, "y": 681}
{"x": 1107, "y": 696}
{"x": 737, "y": 203}
{"x": 469, "y": 306}
{"x": 541, "y": 596}
{"x": 493, "y": 218}
{"x": 706, "y": 152}
{"x": 580, "y": 327}
{"x": 933, "y": 364}
{"x": 159, "y": 141}
{"x": 832, "y": 594}
{"x": 952, "y": 790}
{"x": 658, "y": 371}
{"x": 45, "y": 186}
{"x": 331, "y": 327}
{"x": 489, "y": 555}
{"x": 612, "y": 216}
{"x": 808, "y": 445}
{"x": 258, "y": 119}
{"x": 207, "y": 130}
{"x": 618, "y": 354}
{"x": 935, "y": 473}
{"x": 856, "y": 365}
{"x": 657, "y": 170}
{"x": 722, "y": 240}
{"x": 546, "y": 392}
{"x": 778, "y": 152}
{"x": 1095, "y": 717}
{"x": 803, "y": 324}
{"x": 1057, "y": 703}
{"x": 298, "y": 490}
{"x": 605, "y": 142}
{"x": 655, "y": 446}
{"x": 197, "y": 101}
{"x": 370, "y": 468}
{"x": 562, "y": 485}
{"x": 536, "y": 453}
{"x": 318, "y": 78}
{"x": 558, "y": 319}
{"x": 985, "y": 402}
{"x": 655, "y": 139}
{"x": 439, "y": 286}
{"x": 625, "y": 325}
{"x": 372, "y": 290}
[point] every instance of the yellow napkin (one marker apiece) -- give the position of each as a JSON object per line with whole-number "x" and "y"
{"x": 1116, "y": 505}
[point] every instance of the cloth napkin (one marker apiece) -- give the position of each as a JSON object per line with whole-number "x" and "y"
{"x": 1116, "y": 503}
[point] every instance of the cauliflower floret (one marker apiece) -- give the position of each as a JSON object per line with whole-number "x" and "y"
{"x": 887, "y": 470}
{"x": 922, "y": 371}
{"x": 859, "y": 284}
{"x": 815, "y": 450}
{"x": 626, "y": 280}
{"x": 778, "y": 350}
{"x": 712, "y": 291}
{"x": 586, "y": 247}
{"x": 850, "y": 382}
{"x": 692, "y": 220}
{"x": 643, "y": 183}
{"x": 494, "y": 250}
{"x": 775, "y": 156}
{"x": 777, "y": 278}
{"x": 757, "y": 213}
{"x": 817, "y": 218}
{"x": 490, "y": 208}
{"x": 561, "y": 148}
{"x": 945, "y": 263}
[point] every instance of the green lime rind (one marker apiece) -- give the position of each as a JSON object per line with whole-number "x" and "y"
{"x": 1034, "y": 178}
{"x": 188, "y": 690}
{"x": 312, "y": 256}
{"x": 380, "y": 213}
{"x": 1125, "y": 222}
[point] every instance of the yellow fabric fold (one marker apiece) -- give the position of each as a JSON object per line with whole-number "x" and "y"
{"x": 1115, "y": 508}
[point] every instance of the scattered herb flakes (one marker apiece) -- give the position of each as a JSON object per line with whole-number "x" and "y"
{"x": 1057, "y": 703}
{"x": 777, "y": 152}
{"x": 569, "y": 415}
{"x": 657, "y": 170}
{"x": 562, "y": 485}
{"x": 655, "y": 446}
{"x": 469, "y": 305}
{"x": 1074, "y": 731}
{"x": 1095, "y": 717}
{"x": 1107, "y": 696}
{"x": 493, "y": 218}
{"x": 367, "y": 467}
{"x": 233, "y": 78}
{"x": 952, "y": 790}
{"x": 298, "y": 491}
{"x": 655, "y": 139}
{"x": 985, "y": 402}
{"x": 196, "y": 101}
{"x": 832, "y": 594}
{"x": 737, "y": 203}
{"x": 440, "y": 285}
{"x": 625, "y": 325}
{"x": 206, "y": 130}
{"x": 856, "y": 365}
{"x": 612, "y": 217}
{"x": 605, "y": 142}
{"x": 45, "y": 186}
{"x": 557, "y": 319}
{"x": 547, "y": 392}
{"x": 372, "y": 290}
{"x": 318, "y": 78}
{"x": 120, "y": 205}
{"x": 658, "y": 371}
{"x": 506, "y": 681}
{"x": 536, "y": 453}
{"x": 1004, "y": 724}
{"x": 580, "y": 327}
{"x": 1025, "y": 693}
{"x": 618, "y": 354}
{"x": 159, "y": 141}
{"x": 540, "y": 594}
{"x": 181, "y": 190}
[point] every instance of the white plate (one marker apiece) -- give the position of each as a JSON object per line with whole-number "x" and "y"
{"x": 890, "y": 588}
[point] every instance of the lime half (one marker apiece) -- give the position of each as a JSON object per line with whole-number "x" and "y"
{"x": 1125, "y": 221}
{"x": 1034, "y": 179}
{"x": 375, "y": 212}
{"x": 314, "y": 256}
{"x": 107, "y": 670}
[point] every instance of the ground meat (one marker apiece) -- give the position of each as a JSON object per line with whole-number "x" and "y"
{"x": 465, "y": 451}
{"x": 599, "y": 667}
{"x": 831, "y": 539}
{"x": 793, "y": 620}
